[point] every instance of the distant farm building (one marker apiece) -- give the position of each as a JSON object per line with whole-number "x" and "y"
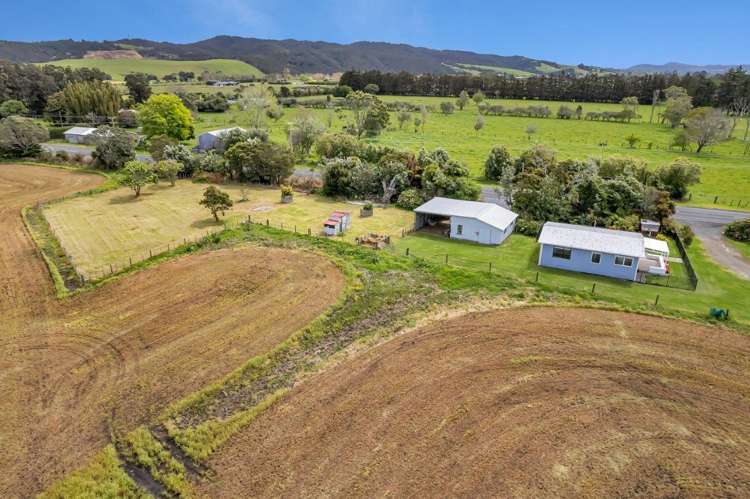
{"x": 484, "y": 223}
{"x": 337, "y": 223}
{"x": 211, "y": 140}
{"x": 79, "y": 135}
{"x": 607, "y": 252}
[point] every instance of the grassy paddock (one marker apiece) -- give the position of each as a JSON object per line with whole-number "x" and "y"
{"x": 118, "y": 68}
{"x": 518, "y": 256}
{"x": 115, "y": 227}
{"x": 743, "y": 248}
{"x": 726, "y": 172}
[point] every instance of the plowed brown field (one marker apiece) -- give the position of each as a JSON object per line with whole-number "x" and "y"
{"x": 71, "y": 369}
{"x": 530, "y": 402}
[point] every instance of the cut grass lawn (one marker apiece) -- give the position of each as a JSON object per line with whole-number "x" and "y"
{"x": 726, "y": 172}
{"x": 518, "y": 256}
{"x": 118, "y": 68}
{"x": 113, "y": 227}
{"x": 743, "y": 248}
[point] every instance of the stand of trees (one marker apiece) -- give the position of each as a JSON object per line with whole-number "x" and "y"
{"x": 705, "y": 90}
{"x": 613, "y": 192}
{"x": 33, "y": 84}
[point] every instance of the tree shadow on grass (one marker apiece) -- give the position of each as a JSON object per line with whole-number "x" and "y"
{"x": 129, "y": 198}
{"x": 206, "y": 223}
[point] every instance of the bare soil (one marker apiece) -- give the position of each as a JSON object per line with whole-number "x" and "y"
{"x": 535, "y": 402}
{"x": 73, "y": 371}
{"x": 112, "y": 54}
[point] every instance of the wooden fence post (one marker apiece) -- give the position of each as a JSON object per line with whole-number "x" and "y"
{"x": 407, "y": 251}
{"x": 130, "y": 260}
{"x": 656, "y": 302}
{"x": 593, "y": 289}
{"x": 490, "y": 267}
{"x": 446, "y": 258}
{"x": 537, "y": 277}
{"x": 309, "y": 231}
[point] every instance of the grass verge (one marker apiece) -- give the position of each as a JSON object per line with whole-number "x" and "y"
{"x": 102, "y": 477}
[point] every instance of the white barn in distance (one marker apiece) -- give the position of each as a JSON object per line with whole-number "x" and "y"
{"x": 210, "y": 140}
{"x": 484, "y": 223}
{"x": 79, "y": 135}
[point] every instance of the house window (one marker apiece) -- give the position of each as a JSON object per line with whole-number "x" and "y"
{"x": 459, "y": 229}
{"x": 625, "y": 261}
{"x": 563, "y": 253}
{"x": 596, "y": 257}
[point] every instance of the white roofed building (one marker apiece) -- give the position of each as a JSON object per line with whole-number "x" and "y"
{"x": 596, "y": 250}
{"x": 484, "y": 223}
{"x": 210, "y": 140}
{"x": 79, "y": 135}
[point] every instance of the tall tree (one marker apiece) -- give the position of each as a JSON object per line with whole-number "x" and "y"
{"x": 463, "y": 99}
{"x": 137, "y": 174}
{"x": 216, "y": 200}
{"x": 165, "y": 114}
{"x": 706, "y": 126}
{"x": 679, "y": 104}
{"x": 138, "y": 87}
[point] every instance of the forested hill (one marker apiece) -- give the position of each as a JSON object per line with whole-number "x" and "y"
{"x": 273, "y": 56}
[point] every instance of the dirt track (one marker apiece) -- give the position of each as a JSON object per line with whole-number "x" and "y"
{"x": 518, "y": 403}
{"x": 71, "y": 370}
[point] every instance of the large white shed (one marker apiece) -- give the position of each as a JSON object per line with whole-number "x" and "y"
{"x": 79, "y": 135}
{"x": 210, "y": 140}
{"x": 484, "y": 223}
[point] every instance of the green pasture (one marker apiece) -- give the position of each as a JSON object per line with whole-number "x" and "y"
{"x": 742, "y": 248}
{"x": 115, "y": 228}
{"x": 118, "y": 68}
{"x": 519, "y": 254}
{"x": 726, "y": 172}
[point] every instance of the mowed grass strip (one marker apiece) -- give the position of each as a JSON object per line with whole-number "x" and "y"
{"x": 113, "y": 227}
{"x": 726, "y": 172}
{"x": 519, "y": 254}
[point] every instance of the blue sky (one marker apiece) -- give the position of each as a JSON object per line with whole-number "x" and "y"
{"x": 602, "y": 32}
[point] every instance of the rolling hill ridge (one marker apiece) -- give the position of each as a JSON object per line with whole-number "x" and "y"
{"x": 274, "y": 56}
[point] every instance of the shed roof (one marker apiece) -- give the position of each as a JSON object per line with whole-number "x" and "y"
{"x": 656, "y": 245}
{"x": 79, "y": 130}
{"x": 489, "y": 213}
{"x": 614, "y": 242}
{"x": 220, "y": 132}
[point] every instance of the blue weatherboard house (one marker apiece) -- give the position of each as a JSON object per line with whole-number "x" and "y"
{"x": 593, "y": 250}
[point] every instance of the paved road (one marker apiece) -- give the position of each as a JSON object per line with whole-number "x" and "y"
{"x": 708, "y": 225}
{"x": 83, "y": 149}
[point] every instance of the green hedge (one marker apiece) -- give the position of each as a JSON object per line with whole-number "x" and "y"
{"x": 739, "y": 231}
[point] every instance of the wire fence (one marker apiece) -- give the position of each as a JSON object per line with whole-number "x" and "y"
{"x": 677, "y": 279}
{"x": 113, "y": 267}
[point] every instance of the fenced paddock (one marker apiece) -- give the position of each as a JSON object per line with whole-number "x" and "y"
{"x": 113, "y": 228}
